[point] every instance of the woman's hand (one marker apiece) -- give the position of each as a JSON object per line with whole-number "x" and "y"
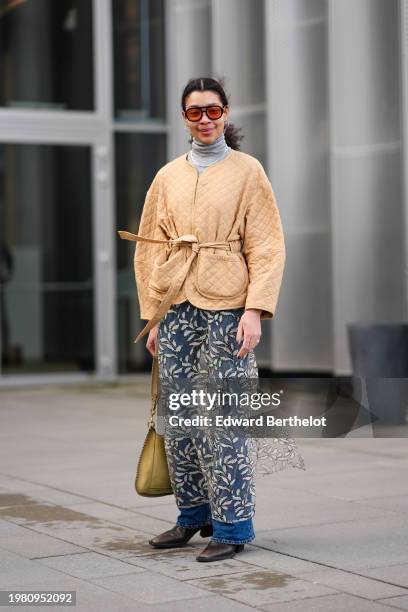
{"x": 250, "y": 327}
{"x": 152, "y": 344}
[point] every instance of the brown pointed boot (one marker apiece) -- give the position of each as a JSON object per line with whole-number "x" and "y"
{"x": 178, "y": 536}
{"x": 217, "y": 551}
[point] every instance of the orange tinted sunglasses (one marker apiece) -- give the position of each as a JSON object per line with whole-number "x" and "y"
{"x": 213, "y": 112}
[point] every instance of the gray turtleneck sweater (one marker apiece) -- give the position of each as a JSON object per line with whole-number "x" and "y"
{"x": 202, "y": 155}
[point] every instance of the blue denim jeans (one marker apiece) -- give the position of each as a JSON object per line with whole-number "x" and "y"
{"x": 228, "y": 533}
{"x": 212, "y": 482}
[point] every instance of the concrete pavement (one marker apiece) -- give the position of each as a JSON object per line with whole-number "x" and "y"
{"x": 332, "y": 537}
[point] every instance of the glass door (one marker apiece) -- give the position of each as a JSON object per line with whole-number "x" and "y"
{"x": 47, "y": 276}
{"x": 57, "y": 226}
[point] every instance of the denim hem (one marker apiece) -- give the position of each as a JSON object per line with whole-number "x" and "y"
{"x": 225, "y": 541}
{"x": 194, "y": 525}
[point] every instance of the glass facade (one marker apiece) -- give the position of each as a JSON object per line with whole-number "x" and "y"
{"x": 139, "y": 99}
{"x": 77, "y": 77}
{"x": 46, "y": 284}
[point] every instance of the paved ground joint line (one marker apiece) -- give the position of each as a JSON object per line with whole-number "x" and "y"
{"x": 339, "y": 569}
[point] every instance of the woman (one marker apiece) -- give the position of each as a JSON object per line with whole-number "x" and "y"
{"x": 209, "y": 265}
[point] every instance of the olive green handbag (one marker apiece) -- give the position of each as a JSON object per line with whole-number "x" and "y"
{"x": 152, "y": 475}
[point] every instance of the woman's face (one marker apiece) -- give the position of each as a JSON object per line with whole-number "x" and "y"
{"x": 206, "y": 130}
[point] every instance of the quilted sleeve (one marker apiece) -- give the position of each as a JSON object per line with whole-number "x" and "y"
{"x": 146, "y": 252}
{"x": 264, "y": 248}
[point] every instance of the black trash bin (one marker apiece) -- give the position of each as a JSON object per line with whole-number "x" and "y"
{"x": 379, "y": 354}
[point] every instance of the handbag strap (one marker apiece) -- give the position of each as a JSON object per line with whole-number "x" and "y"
{"x": 154, "y": 391}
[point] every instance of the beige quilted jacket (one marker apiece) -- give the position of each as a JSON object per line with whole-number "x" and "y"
{"x": 213, "y": 238}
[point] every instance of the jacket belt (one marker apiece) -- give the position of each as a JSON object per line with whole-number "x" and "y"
{"x": 178, "y": 280}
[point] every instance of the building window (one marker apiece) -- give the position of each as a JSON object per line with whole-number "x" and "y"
{"x": 47, "y": 279}
{"x": 138, "y": 157}
{"x": 139, "y": 73}
{"x": 46, "y": 57}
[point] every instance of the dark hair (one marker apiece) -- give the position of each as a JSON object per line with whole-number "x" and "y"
{"x": 232, "y": 135}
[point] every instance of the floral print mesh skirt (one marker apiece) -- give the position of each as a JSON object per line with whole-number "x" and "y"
{"x": 213, "y": 465}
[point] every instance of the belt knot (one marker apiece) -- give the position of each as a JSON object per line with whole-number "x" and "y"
{"x": 187, "y": 239}
{"x": 184, "y": 238}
